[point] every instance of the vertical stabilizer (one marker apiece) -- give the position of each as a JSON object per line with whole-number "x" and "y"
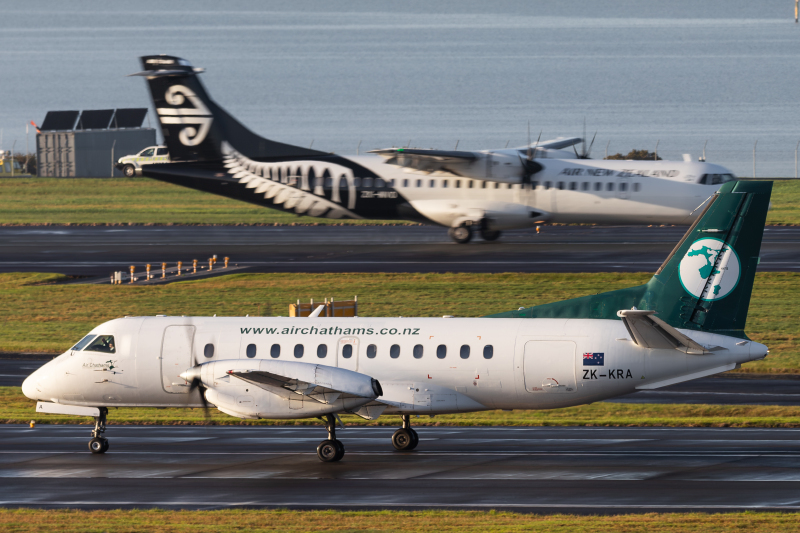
{"x": 195, "y": 128}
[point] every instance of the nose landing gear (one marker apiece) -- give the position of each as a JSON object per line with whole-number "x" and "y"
{"x": 405, "y": 439}
{"x": 330, "y": 450}
{"x": 99, "y": 444}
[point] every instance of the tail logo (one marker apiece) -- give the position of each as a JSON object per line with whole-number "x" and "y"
{"x": 710, "y": 270}
{"x": 190, "y": 110}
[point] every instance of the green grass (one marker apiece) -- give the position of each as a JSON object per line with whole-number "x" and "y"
{"x": 17, "y": 409}
{"x": 223, "y": 521}
{"x": 36, "y": 201}
{"x": 142, "y": 201}
{"x": 48, "y": 317}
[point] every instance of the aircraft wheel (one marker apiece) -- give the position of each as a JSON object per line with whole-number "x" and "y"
{"x": 490, "y": 235}
{"x": 461, "y": 234}
{"x": 403, "y": 440}
{"x": 340, "y": 450}
{"x": 129, "y": 171}
{"x": 98, "y": 445}
{"x": 416, "y": 439}
{"x": 330, "y": 451}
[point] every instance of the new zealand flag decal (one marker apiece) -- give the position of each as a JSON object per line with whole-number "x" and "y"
{"x": 593, "y": 359}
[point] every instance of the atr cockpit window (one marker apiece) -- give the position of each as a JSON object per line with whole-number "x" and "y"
{"x": 83, "y": 342}
{"x": 103, "y": 344}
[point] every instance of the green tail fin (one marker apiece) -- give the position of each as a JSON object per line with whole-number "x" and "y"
{"x": 705, "y": 283}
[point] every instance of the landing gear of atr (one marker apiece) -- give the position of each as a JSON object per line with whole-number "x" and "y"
{"x": 99, "y": 444}
{"x": 463, "y": 233}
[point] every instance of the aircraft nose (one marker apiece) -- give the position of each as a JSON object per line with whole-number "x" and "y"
{"x": 29, "y": 387}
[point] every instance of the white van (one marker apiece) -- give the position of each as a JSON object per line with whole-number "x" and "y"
{"x": 131, "y": 165}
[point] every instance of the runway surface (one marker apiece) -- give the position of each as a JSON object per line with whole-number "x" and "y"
{"x": 595, "y": 470}
{"x": 727, "y": 389}
{"x": 96, "y": 251}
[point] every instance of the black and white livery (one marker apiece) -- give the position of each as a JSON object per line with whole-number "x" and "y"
{"x": 485, "y": 191}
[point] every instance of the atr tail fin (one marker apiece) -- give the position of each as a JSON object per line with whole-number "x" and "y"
{"x": 706, "y": 282}
{"x": 195, "y": 128}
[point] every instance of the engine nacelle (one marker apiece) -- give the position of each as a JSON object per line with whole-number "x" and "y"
{"x": 282, "y": 389}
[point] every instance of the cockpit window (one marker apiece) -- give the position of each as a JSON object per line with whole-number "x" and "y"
{"x": 103, "y": 343}
{"x": 716, "y": 179}
{"x": 83, "y": 342}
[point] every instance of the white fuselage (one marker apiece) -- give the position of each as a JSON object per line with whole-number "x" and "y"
{"x": 533, "y": 364}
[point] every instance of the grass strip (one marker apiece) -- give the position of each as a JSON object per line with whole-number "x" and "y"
{"x": 93, "y": 201}
{"x": 15, "y": 408}
{"x": 133, "y": 201}
{"x": 48, "y": 317}
{"x": 66, "y": 521}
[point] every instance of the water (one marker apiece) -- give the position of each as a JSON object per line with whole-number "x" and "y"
{"x": 336, "y": 74}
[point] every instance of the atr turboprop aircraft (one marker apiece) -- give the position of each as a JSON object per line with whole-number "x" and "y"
{"x": 487, "y": 191}
{"x": 687, "y": 322}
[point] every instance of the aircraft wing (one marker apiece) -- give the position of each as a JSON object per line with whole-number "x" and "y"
{"x": 649, "y": 331}
{"x": 558, "y": 143}
{"x": 425, "y": 160}
{"x": 316, "y": 382}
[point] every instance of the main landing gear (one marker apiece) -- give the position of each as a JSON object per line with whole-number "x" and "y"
{"x": 463, "y": 233}
{"x": 405, "y": 439}
{"x": 99, "y": 444}
{"x": 330, "y": 450}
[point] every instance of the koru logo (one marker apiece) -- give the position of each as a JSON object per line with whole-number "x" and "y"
{"x": 710, "y": 269}
{"x": 192, "y": 112}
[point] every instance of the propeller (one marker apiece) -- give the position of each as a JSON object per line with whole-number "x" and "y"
{"x": 529, "y": 166}
{"x": 193, "y": 377}
{"x": 584, "y": 151}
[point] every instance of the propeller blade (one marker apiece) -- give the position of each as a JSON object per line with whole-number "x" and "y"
{"x": 583, "y": 147}
{"x": 589, "y": 151}
{"x": 529, "y": 141}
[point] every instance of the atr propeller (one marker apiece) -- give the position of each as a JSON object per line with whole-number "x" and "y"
{"x": 584, "y": 151}
{"x": 193, "y": 377}
{"x": 529, "y": 166}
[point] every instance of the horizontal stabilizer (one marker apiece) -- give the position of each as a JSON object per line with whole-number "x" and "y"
{"x": 649, "y": 331}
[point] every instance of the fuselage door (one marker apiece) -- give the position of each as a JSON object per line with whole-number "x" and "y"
{"x": 347, "y": 353}
{"x": 549, "y": 367}
{"x": 176, "y": 358}
{"x": 624, "y": 188}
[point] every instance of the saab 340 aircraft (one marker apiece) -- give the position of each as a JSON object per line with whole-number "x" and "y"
{"x": 687, "y": 322}
{"x": 487, "y": 191}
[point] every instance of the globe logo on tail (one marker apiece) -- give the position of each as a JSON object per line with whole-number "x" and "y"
{"x": 710, "y": 269}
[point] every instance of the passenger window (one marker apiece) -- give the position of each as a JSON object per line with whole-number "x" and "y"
{"x": 573, "y": 185}
{"x": 510, "y": 186}
{"x": 322, "y": 351}
{"x": 441, "y": 351}
{"x": 419, "y": 183}
{"x": 298, "y": 350}
{"x": 623, "y": 186}
{"x": 458, "y": 184}
{"x": 379, "y": 183}
{"x": 534, "y": 184}
{"x": 465, "y": 351}
{"x": 105, "y": 344}
{"x": 83, "y": 342}
{"x": 357, "y": 182}
{"x": 471, "y": 184}
{"x": 391, "y": 182}
{"x": 496, "y": 184}
{"x": 251, "y": 351}
{"x": 585, "y": 186}
{"x": 483, "y": 185}
{"x": 636, "y": 187}
{"x": 328, "y": 183}
{"x": 444, "y": 184}
{"x": 367, "y": 182}
{"x": 347, "y": 351}
{"x": 598, "y": 186}
{"x": 488, "y": 351}
{"x": 275, "y": 351}
{"x": 418, "y": 351}
{"x": 405, "y": 183}
{"x": 208, "y": 350}
{"x": 162, "y": 151}
{"x": 609, "y": 186}
{"x": 372, "y": 351}
{"x": 547, "y": 185}
{"x": 394, "y": 351}
{"x": 343, "y": 183}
